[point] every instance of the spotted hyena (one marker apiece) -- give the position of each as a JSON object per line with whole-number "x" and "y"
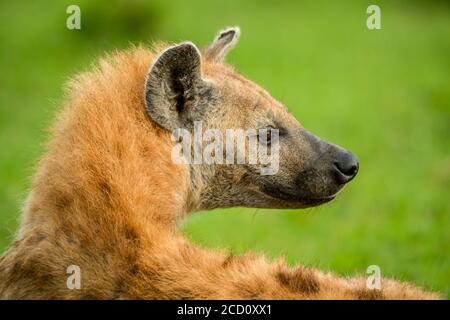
{"x": 107, "y": 195}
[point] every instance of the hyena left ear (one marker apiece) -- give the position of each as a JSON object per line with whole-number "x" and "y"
{"x": 175, "y": 93}
{"x": 223, "y": 43}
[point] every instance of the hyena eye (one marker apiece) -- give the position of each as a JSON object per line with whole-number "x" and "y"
{"x": 265, "y": 135}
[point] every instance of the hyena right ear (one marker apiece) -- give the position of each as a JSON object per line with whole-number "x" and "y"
{"x": 175, "y": 93}
{"x": 222, "y": 44}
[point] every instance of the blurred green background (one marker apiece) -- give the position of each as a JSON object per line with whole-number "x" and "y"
{"x": 384, "y": 94}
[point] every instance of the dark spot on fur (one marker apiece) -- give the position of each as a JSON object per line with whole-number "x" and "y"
{"x": 134, "y": 269}
{"x": 17, "y": 266}
{"x": 119, "y": 290}
{"x": 228, "y": 260}
{"x": 253, "y": 292}
{"x": 183, "y": 294}
{"x": 89, "y": 296}
{"x": 299, "y": 280}
{"x": 105, "y": 188}
{"x": 131, "y": 234}
{"x": 35, "y": 239}
{"x": 369, "y": 294}
{"x": 40, "y": 237}
{"x": 63, "y": 201}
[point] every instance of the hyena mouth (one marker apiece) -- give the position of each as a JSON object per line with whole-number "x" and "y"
{"x": 279, "y": 194}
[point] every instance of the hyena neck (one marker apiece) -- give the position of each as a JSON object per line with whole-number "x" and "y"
{"x": 107, "y": 161}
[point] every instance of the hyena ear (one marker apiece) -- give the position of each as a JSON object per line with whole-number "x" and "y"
{"x": 175, "y": 93}
{"x": 224, "y": 42}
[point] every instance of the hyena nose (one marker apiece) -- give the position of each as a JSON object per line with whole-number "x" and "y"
{"x": 346, "y": 166}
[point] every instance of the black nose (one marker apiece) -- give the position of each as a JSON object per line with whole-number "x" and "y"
{"x": 346, "y": 166}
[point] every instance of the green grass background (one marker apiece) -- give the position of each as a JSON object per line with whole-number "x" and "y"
{"x": 383, "y": 94}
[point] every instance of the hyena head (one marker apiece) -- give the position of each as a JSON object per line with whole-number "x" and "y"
{"x": 186, "y": 89}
